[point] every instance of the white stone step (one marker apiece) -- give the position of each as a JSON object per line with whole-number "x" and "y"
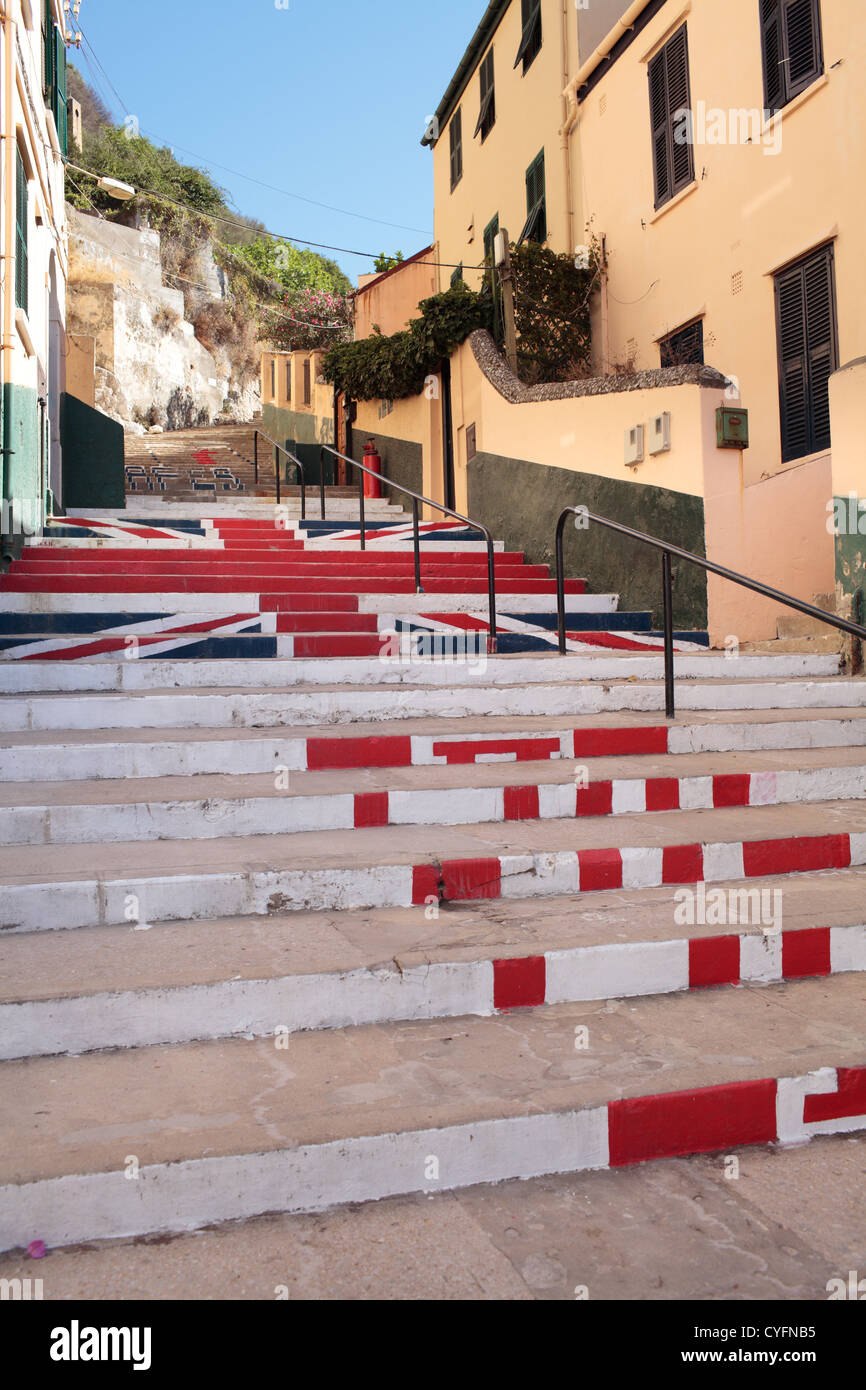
{"x": 175, "y": 807}
{"x": 512, "y": 673}
{"x": 142, "y": 1141}
{"x": 97, "y": 754}
{"x": 222, "y": 709}
{"x": 112, "y": 987}
{"x": 473, "y": 604}
{"x": 55, "y": 887}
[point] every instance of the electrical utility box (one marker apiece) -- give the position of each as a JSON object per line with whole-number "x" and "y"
{"x": 732, "y": 428}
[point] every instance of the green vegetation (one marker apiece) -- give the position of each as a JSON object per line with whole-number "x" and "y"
{"x": 398, "y": 366}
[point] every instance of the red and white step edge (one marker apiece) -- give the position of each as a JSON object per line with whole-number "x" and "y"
{"x": 57, "y": 906}
{"x": 98, "y": 761}
{"x": 444, "y": 989}
{"x": 218, "y": 818}
{"x": 187, "y": 1195}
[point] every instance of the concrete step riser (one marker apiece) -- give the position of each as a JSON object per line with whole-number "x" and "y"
{"x": 186, "y": 1195}
{"x": 204, "y": 710}
{"x": 58, "y": 906}
{"x": 583, "y": 683}
{"x": 274, "y": 815}
{"x": 448, "y": 989}
{"x": 61, "y": 762}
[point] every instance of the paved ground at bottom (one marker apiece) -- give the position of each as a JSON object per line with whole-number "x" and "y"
{"x": 788, "y": 1223}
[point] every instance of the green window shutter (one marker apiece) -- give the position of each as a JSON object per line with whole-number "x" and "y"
{"x": 457, "y": 276}
{"x": 686, "y": 345}
{"x": 535, "y": 228}
{"x": 60, "y": 111}
{"x": 773, "y": 57}
{"x": 456, "y": 134}
{"x": 673, "y": 156}
{"x": 530, "y": 40}
{"x": 22, "y": 264}
{"x": 808, "y": 352}
{"x": 48, "y": 52}
{"x": 792, "y": 49}
{"x": 487, "y": 113}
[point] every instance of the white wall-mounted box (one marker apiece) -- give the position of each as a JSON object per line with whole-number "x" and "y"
{"x": 660, "y": 433}
{"x": 634, "y": 446}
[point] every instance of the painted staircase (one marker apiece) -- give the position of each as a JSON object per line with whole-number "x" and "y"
{"x": 306, "y": 897}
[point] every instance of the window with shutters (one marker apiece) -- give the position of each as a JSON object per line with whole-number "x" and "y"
{"x": 490, "y": 233}
{"x": 684, "y": 346}
{"x": 22, "y": 213}
{"x": 670, "y": 101}
{"x": 535, "y": 227}
{"x": 530, "y": 40}
{"x": 54, "y": 74}
{"x": 487, "y": 113}
{"x": 456, "y": 130}
{"x": 289, "y": 379}
{"x": 808, "y": 352}
{"x": 792, "y": 49}
{"x": 273, "y": 379}
{"x": 457, "y": 276}
{"x": 307, "y": 383}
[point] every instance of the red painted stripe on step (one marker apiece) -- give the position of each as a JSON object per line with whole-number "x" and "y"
{"x": 371, "y": 809}
{"x": 594, "y": 800}
{"x": 467, "y": 879}
{"x": 732, "y": 789}
{"x": 609, "y": 743}
{"x": 599, "y": 869}
{"x": 425, "y": 884}
{"x": 612, "y": 641}
{"x": 849, "y": 1100}
{"x": 682, "y": 864}
{"x": 521, "y": 803}
{"x": 337, "y": 644}
{"x": 519, "y": 984}
{"x": 797, "y": 855}
{"x": 806, "y": 953}
{"x": 686, "y": 1122}
{"x": 327, "y": 622}
{"x": 714, "y": 960}
{"x": 525, "y": 750}
{"x": 327, "y": 753}
{"x": 662, "y": 794}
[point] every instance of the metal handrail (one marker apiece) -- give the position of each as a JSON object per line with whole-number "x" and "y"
{"x": 417, "y": 498}
{"x": 289, "y": 455}
{"x": 668, "y": 551}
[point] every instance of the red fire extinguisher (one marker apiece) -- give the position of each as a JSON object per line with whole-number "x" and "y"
{"x": 372, "y": 486}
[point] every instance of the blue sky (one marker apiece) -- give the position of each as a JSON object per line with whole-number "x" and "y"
{"x": 327, "y": 99}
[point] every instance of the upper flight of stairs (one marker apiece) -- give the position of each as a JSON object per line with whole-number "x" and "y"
{"x": 296, "y": 910}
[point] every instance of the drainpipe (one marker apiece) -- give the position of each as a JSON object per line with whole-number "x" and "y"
{"x": 7, "y": 343}
{"x": 613, "y": 37}
{"x": 564, "y": 141}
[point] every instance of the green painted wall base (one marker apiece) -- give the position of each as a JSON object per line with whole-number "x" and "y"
{"x": 21, "y": 490}
{"x": 93, "y": 457}
{"x": 402, "y": 462}
{"x": 522, "y": 501}
{"x": 850, "y": 521}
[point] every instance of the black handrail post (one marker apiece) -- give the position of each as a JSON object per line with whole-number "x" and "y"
{"x": 417, "y": 538}
{"x": 447, "y": 511}
{"x": 256, "y": 456}
{"x": 560, "y": 584}
{"x": 361, "y": 503}
{"x": 277, "y": 471}
{"x": 493, "y": 640}
{"x": 667, "y": 584}
{"x": 322, "y": 482}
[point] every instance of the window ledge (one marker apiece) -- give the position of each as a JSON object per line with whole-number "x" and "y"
{"x": 22, "y": 324}
{"x": 674, "y": 201}
{"x": 796, "y": 102}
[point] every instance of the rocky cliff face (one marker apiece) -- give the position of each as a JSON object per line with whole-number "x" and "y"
{"x": 150, "y": 370}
